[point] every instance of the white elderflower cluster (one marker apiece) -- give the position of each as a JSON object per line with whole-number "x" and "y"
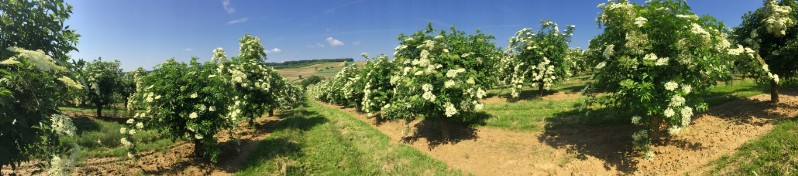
{"x": 450, "y": 110}
{"x": 640, "y": 21}
{"x": 698, "y": 30}
{"x": 38, "y": 58}
{"x": 778, "y": 18}
{"x": 427, "y": 88}
{"x": 64, "y": 166}
{"x": 61, "y": 124}
{"x": 670, "y": 85}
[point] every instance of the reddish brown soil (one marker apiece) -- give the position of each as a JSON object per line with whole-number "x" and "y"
{"x": 594, "y": 150}
{"x": 178, "y": 160}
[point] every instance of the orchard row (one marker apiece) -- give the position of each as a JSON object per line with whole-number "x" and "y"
{"x": 653, "y": 60}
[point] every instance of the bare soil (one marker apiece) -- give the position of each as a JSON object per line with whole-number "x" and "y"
{"x": 605, "y": 150}
{"x": 178, "y": 160}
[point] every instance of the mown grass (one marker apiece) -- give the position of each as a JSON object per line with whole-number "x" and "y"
{"x": 101, "y": 138}
{"x": 320, "y": 140}
{"x": 531, "y": 113}
{"x": 775, "y": 153}
{"x": 107, "y": 112}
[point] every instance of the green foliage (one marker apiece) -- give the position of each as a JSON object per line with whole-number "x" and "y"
{"x": 437, "y": 74}
{"x": 32, "y": 86}
{"x": 37, "y": 25}
{"x": 771, "y": 31}
{"x": 656, "y": 58}
{"x": 310, "y": 80}
{"x": 542, "y": 58}
{"x": 377, "y": 90}
{"x": 103, "y": 80}
{"x": 181, "y": 106}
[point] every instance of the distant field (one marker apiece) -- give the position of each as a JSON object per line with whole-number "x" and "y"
{"x": 324, "y": 70}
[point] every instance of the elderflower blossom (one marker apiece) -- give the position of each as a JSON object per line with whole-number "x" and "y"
{"x": 669, "y": 112}
{"x": 212, "y": 108}
{"x": 194, "y": 95}
{"x": 601, "y": 65}
{"x": 193, "y": 115}
{"x": 639, "y": 135}
{"x": 662, "y": 61}
{"x": 640, "y": 21}
{"x": 62, "y": 124}
{"x": 686, "y": 112}
{"x": 674, "y": 130}
{"x": 650, "y": 155}
{"x": 650, "y": 57}
{"x": 687, "y": 88}
{"x": 450, "y": 110}
{"x": 677, "y": 100}
{"x": 125, "y": 142}
{"x": 132, "y": 131}
{"x": 636, "y": 119}
{"x": 779, "y": 18}
{"x": 130, "y": 121}
{"x": 139, "y": 125}
{"x": 198, "y": 136}
{"x": 448, "y": 84}
{"x": 123, "y": 130}
{"x": 670, "y": 85}
{"x": 428, "y": 96}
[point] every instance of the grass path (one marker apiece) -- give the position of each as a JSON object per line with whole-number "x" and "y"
{"x": 321, "y": 140}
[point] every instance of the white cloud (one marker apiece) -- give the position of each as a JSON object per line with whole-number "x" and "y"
{"x": 240, "y": 20}
{"x": 188, "y": 49}
{"x": 334, "y": 42}
{"x": 227, "y": 7}
{"x": 274, "y": 50}
{"x": 317, "y": 45}
{"x": 332, "y": 10}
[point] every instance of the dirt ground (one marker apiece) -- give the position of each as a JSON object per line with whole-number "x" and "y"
{"x": 603, "y": 150}
{"x": 176, "y": 161}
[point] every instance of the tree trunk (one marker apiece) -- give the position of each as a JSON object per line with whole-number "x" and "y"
{"x": 774, "y": 92}
{"x": 540, "y": 89}
{"x": 445, "y": 129}
{"x": 271, "y": 112}
{"x": 654, "y": 125}
{"x": 198, "y": 148}
{"x": 99, "y": 110}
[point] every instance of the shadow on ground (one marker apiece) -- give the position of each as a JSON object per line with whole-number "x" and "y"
{"x": 448, "y": 131}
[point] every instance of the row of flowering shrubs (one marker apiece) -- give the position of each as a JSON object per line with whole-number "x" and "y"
{"x": 194, "y": 101}
{"x": 653, "y": 60}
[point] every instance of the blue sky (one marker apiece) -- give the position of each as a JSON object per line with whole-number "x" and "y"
{"x": 143, "y": 33}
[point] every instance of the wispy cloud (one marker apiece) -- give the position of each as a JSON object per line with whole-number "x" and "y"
{"x": 274, "y": 50}
{"x": 356, "y": 43}
{"x": 188, "y": 49}
{"x": 332, "y": 10}
{"x": 317, "y": 45}
{"x": 334, "y": 42}
{"x": 240, "y": 20}
{"x": 227, "y": 7}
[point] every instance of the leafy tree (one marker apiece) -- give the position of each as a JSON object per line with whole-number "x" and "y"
{"x": 310, "y": 80}
{"x": 34, "y": 43}
{"x": 541, "y": 57}
{"x": 32, "y": 85}
{"x": 377, "y": 91}
{"x": 103, "y": 80}
{"x": 771, "y": 31}
{"x": 252, "y": 80}
{"x": 37, "y": 25}
{"x": 437, "y": 75}
{"x": 181, "y": 106}
{"x": 655, "y": 58}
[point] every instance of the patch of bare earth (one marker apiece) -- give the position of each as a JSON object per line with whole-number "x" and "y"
{"x": 178, "y": 160}
{"x": 605, "y": 150}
